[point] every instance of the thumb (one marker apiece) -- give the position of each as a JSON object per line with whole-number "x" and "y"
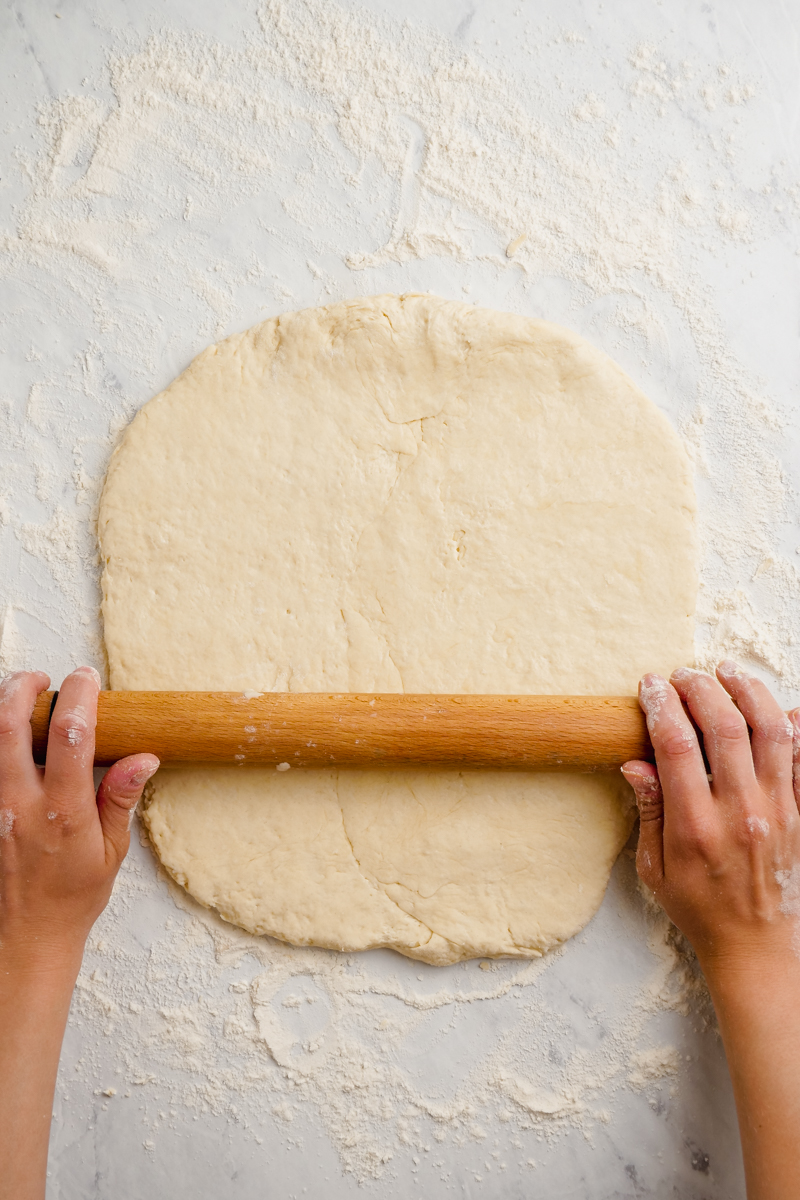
{"x": 119, "y": 792}
{"x": 643, "y": 778}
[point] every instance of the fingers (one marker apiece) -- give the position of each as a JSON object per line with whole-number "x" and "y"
{"x": 680, "y": 764}
{"x": 18, "y": 694}
{"x": 70, "y": 742}
{"x": 771, "y": 736}
{"x": 119, "y": 792}
{"x": 725, "y": 734}
{"x": 643, "y": 778}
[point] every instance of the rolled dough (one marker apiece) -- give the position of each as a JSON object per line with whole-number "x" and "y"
{"x": 389, "y": 494}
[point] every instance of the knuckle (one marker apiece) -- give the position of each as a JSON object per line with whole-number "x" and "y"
{"x": 63, "y": 822}
{"x": 698, "y": 839}
{"x": 10, "y": 726}
{"x": 785, "y": 819}
{"x": 122, "y": 797}
{"x": 60, "y": 816}
{"x": 777, "y": 730}
{"x": 70, "y": 728}
{"x": 731, "y": 729}
{"x": 751, "y": 829}
{"x": 651, "y": 807}
{"x": 676, "y": 744}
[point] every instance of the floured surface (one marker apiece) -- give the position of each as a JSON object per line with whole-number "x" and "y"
{"x": 111, "y": 285}
{"x": 397, "y": 494}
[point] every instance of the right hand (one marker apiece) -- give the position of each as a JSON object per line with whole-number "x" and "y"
{"x": 723, "y": 856}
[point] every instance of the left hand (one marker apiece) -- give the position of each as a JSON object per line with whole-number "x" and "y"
{"x": 60, "y": 845}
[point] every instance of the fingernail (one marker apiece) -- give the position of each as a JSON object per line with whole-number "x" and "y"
{"x": 143, "y": 774}
{"x": 794, "y": 717}
{"x": 653, "y": 691}
{"x": 641, "y": 784}
{"x": 90, "y": 671}
{"x": 730, "y": 669}
{"x": 681, "y": 673}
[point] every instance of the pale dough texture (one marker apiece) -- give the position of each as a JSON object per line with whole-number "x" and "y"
{"x": 397, "y": 494}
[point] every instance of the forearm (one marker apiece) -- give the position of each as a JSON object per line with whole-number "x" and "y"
{"x": 35, "y": 995}
{"x": 758, "y": 1008}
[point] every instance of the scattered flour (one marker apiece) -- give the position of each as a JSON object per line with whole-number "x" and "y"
{"x": 789, "y": 883}
{"x": 10, "y": 657}
{"x": 258, "y": 1029}
{"x": 652, "y": 1066}
{"x": 759, "y": 825}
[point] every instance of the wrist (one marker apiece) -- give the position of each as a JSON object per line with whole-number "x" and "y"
{"x": 27, "y": 951}
{"x": 750, "y": 976}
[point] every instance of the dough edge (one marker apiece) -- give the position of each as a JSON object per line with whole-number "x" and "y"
{"x": 204, "y": 877}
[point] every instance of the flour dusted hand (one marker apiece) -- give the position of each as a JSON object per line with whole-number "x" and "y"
{"x": 60, "y": 846}
{"x": 60, "y": 850}
{"x": 722, "y": 855}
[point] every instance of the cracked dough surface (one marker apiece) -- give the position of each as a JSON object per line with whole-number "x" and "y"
{"x": 397, "y": 494}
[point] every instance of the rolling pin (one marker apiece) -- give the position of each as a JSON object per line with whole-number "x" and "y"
{"x": 312, "y": 729}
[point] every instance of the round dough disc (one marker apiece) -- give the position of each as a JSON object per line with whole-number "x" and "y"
{"x": 397, "y": 494}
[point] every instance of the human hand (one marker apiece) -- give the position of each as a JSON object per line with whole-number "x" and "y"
{"x": 60, "y": 850}
{"x": 60, "y": 845}
{"x": 722, "y": 857}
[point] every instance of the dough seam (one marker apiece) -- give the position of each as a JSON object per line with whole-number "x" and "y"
{"x": 378, "y": 887}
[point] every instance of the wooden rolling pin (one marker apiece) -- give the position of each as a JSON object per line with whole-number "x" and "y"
{"x": 311, "y": 729}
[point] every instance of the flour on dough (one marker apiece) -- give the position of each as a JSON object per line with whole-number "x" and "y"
{"x": 397, "y": 494}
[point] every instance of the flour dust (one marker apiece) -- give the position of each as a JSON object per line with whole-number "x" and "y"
{"x": 216, "y": 1021}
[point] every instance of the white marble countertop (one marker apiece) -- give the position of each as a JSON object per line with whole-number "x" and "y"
{"x": 223, "y": 172}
